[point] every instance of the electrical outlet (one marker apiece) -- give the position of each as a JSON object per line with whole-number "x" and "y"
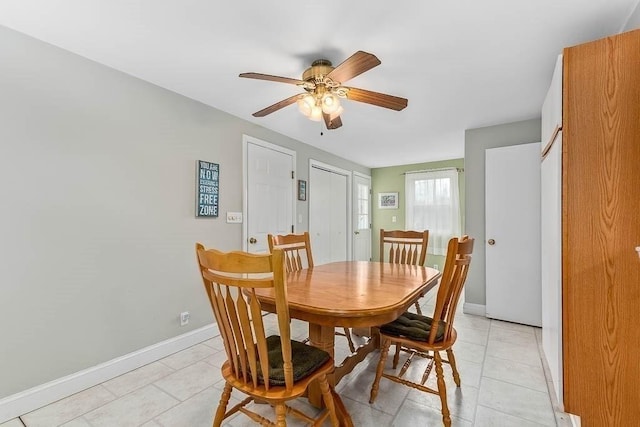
{"x": 435, "y": 266}
{"x": 184, "y": 318}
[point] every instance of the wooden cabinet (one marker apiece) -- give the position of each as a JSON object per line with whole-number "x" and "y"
{"x": 600, "y": 229}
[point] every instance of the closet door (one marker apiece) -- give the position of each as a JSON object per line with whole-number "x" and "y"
{"x": 328, "y": 215}
{"x": 601, "y": 270}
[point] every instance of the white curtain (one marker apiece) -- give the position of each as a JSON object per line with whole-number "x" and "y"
{"x": 433, "y": 203}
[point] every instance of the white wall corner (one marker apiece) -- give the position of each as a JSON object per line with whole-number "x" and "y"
{"x": 575, "y": 420}
{"x": 475, "y": 309}
{"x": 36, "y": 397}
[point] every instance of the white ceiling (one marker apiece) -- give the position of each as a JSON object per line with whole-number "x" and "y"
{"x": 462, "y": 64}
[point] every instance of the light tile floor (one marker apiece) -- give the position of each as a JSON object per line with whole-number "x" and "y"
{"x": 503, "y": 384}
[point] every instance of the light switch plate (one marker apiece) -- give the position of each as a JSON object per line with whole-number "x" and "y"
{"x": 234, "y": 217}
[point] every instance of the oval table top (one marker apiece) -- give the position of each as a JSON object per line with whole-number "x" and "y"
{"x": 353, "y": 293}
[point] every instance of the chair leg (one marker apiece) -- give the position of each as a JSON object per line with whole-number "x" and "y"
{"x": 418, "y": 310}
{"x": 452, "y": 361}
{"x": 442, "y": 390}
{"x": 281, "y": 415}
{"x": 396, "y": 357}
{"x": 384, "y": 352}
{"x": 328, "y": 400}
{"x": 222, "y": 406}
{"x": 347, "y": 333}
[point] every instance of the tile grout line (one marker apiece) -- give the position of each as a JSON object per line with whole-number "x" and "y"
{"x": 506, "y": 382}
{"x": 484, "y": 360}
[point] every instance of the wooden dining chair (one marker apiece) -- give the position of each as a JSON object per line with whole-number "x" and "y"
{"x": 272, "y": 369}
{"x": 295, "y": 247}
{"x": 404, "y": 247}
{"x": 428, "y": 336}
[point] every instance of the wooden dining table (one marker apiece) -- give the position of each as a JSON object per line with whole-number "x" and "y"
{"x": 351, "y": 294}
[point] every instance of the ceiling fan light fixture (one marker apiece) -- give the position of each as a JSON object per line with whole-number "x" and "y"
{"x": 316, "y": 113}
{"x": 330, "y": 103}
{"x": 306, "y": 104}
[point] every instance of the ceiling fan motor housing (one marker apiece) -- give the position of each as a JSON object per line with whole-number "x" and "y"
{"x": 318, "y": 70}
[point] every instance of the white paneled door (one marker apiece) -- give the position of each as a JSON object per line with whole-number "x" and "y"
{"x": 269, "y": 203}
{"x": 512, "y": 231}
{"x": 361, "y": 217}
{"x": 329, "y": 213}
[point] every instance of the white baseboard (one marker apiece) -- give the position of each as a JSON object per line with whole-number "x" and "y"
{"x": 477, "y": 309}
{"x": 44, "y": 394}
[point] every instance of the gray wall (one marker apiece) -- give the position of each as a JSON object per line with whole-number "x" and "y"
{"x": 97, "y": 226}
{"x": 476, "y": 141}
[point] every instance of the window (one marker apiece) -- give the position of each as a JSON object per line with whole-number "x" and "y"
{"x": 363, "y": 206}
{"x": 433, "y": 203}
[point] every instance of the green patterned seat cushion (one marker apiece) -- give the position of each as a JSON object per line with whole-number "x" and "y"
{"x": 305, "y": 359}
{"x": 413, "y": 326}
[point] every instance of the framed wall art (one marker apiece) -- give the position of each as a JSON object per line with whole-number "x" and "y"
{"x": 302, "y": 190}
{"x": 207, "y": 187}
{"x": 388, "y": 200}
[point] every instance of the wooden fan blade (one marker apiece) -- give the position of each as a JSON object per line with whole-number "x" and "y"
{"x": 376, "y": 98}
{"x": 334, "y": 123}
{"x": 279, "y": 79}
{"x": 353, "y": 66}
{"x": 275, "y": 107}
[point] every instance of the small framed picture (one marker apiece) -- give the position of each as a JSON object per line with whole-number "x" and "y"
{"x": 302, "y": 190}
{"x": 388, "y": 200}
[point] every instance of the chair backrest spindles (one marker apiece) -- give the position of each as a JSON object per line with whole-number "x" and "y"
{"x": 404, "y": 247}
{"x": 295, "y": 246}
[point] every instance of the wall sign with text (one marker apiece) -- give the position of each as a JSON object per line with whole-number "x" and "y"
{"x": 208, "y": 183}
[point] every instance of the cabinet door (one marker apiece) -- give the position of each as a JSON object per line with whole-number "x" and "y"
{"x": 551, "y": 261}
{"x": 601, "y": 272}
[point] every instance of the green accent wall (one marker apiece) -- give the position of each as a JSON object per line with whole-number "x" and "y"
{"x": 391, "y": 179}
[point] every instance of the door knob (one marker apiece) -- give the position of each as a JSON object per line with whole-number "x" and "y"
{"x": 491, "y": 242}
{"x": 356, "y": 232}
{"x": 253, "y": 241}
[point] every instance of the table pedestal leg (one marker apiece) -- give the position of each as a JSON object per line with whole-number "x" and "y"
{"x": 321, "y": 337}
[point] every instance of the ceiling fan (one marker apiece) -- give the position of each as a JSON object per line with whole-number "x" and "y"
{"x": 323, "y": 89}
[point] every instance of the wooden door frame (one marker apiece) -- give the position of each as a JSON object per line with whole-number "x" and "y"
{"x": 246, "y": 140}
{"x": 330, "y": 168}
